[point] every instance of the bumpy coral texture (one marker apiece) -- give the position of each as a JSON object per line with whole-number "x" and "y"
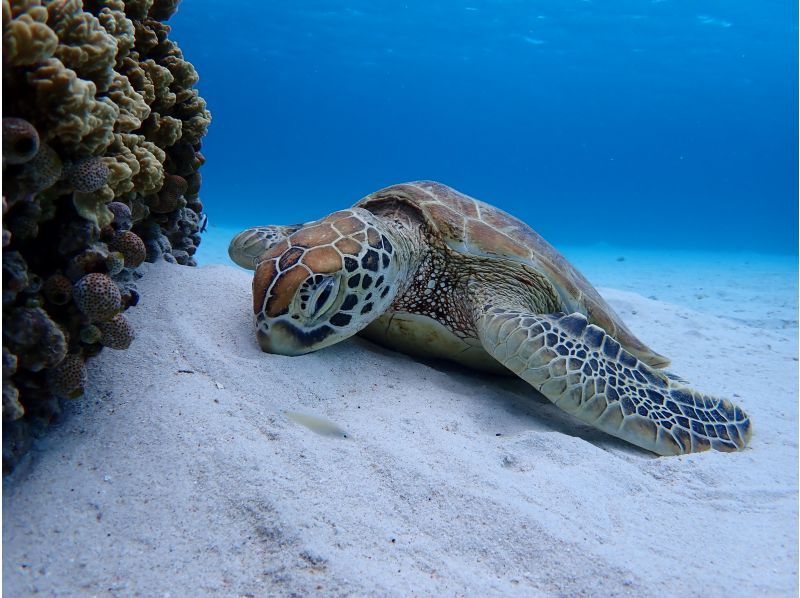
{"x": 131, "y": 246}
{"x": 23, "y": 220}
{"x": 117, "y": 333}
{"x": 133, "y": 108}
{"x": 88, "y": 175}
{"x": 92, "y": 206}
{"x": 90, "y": 334}
{"x": 36, "y": 340}
{"x": 58, "y": 289}
{"x": 170, "y": 197}
{"x": 97, "y": 297}
{"x": 122, "y": 216}
{"x": 111, "y": 14}
{"x": 68, "y": 110}
{"x": 12, "y": 408}
{"x": 15, "y": 276}
{"x": 42, "y": 171}
{"x": 83, "y": 43}
{"x": 115, "y": 263}
{"x": 20, "y": 141}
{"x": 90, "y": 260}
{"x": 102, "y": 138}
{"x": 68, "y": 379}
{"x": 26, "y": 37}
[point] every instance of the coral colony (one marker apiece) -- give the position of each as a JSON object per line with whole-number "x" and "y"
{"x": 101, "y": 151}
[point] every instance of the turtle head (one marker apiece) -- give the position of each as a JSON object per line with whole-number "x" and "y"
{"x": 248, "y": 246}
{"x": 325, "y": 282}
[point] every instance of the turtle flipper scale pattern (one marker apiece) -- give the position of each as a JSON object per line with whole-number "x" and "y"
{"x": 586, "y": 372}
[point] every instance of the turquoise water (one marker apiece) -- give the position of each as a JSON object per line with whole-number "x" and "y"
{"x": 644, "y": 124}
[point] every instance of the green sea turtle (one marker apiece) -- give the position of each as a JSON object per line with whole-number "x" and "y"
{"x": 424, "y": 269}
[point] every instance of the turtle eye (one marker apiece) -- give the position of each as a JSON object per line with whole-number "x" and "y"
{"x": 321, "y": 298}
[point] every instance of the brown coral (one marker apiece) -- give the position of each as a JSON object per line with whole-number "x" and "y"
{"x": 117, "y": 333}
{"x": 76, "y": 235}
{"x": 138, "y": 9}
{"x": 133, "y": 108}
{"x": 122, "y": 216}
{"x": 68, "y": 379}
{"x": 83, "y": 43}
{"x": 23, "y": 220}
{"x": 151, "y": 170}
{"x": 170, "y": 197}
{"x": 57, "y": 289}
{"x": 92, "y": 206}
{"x": 26, "y": 37}
{"x": 197, "y": 206}
{"x": 131, "y": 246}
{"x": 162, "y": 130}
{"x": 183, "y": 73}
{"x": 68, "y": 110}
{"x": 90, "y": 334}
{"x": 20, "y": 140}
{"x": 183, "y": 158}
{"x": 138, "y": 78}
{"x": 36, "y": 340}
{"x": 12, "y": 408}
{"x": 111, "y": 15}
{"x": 42, "y": 171}
{"x": 97, "y": 297}
{"x": 163, "y": 9}
{"x": 115, "y": 263}
{"x": 15, "y": 276}
{"x": 134, "y": 163}
{"x": 88, "y": 175}
{"x": 162, "y": 79}
{"x": 193, "y": 182}
{"x": 112, "y": 96}
{"x": 197, "y": 120}
{"x": 91, "y": 260}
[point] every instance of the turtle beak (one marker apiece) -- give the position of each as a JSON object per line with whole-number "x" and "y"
{"x": 283, "y": 338}
{"x": 278, "y": 342}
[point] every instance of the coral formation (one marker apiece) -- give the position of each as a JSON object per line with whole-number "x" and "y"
{"x": 42, "y": 171}
{"x": 57, "y": 289}
{"x": 20, "y": 141}
{"x": 88, "y": 175}
{"x": 117, "y": 333}
{"x": 131, "y": 246}
{"x": 68, "y": 379}
{"x": 36, "y": 340}
{"x": 122, "y": 216}
{"x": 12, "y": 409}
{"x": 97, "y": 296}
{"x": 101, "y": 151}
{"x": 170, "y": 198}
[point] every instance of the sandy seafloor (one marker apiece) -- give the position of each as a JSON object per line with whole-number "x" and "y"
{"x": 178, "y": 473}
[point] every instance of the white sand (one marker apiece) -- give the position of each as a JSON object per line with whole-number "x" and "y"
{"x": 162, "y": 481}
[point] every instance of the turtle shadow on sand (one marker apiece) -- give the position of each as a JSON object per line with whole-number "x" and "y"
{"x": 519, "y": 407}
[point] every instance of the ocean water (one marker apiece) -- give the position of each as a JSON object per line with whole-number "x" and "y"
{"x": 656, "y": 126}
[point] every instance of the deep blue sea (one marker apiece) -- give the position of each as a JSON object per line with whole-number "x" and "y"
{"x": 659, "y": 124}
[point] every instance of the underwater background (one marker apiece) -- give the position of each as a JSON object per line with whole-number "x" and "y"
{"x": 664, "y": 124}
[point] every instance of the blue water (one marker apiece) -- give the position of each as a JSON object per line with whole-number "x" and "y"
{"x": 661, "y": 124}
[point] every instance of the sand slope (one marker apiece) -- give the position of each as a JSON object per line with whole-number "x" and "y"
{"x": 161, "y": 480}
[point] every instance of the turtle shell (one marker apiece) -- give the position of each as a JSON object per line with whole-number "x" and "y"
{"x": 473, "y": 227}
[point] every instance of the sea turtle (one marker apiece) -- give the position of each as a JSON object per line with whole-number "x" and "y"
{"x": 424, "y": 269}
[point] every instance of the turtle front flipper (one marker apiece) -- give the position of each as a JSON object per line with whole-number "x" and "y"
{"x": 585, "y": 372}
{"x": 249, "y": 245}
